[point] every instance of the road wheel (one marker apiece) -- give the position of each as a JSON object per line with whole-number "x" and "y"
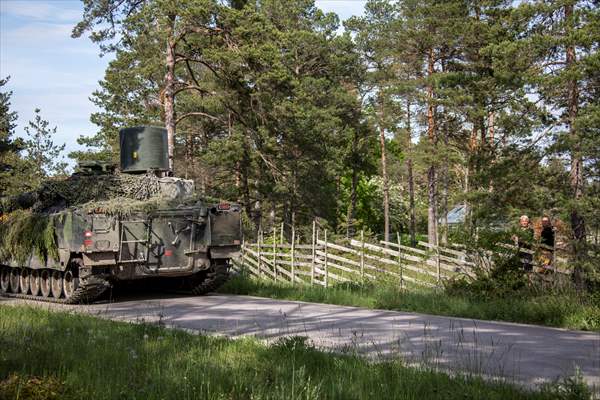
{"x": 24, "y": 280}
{"x": 14, "y": 280}
{"x": 70, "y": 283}
{"x": 45, "y": 283}
{"x": 56, "y": 284}
{"x": 34, "y": 282}
{"x": 4, "y": 279}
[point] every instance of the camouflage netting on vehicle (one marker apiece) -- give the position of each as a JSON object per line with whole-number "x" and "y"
{"x": 80, "y": 189}
{"x": 76, "y": 190}
{"x": 22, "y": 230}
{"x": 27, "y": 220}
{"x": 124, "y": 206}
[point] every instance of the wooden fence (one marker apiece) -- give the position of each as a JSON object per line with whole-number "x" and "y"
{"x": 326, "y": 263}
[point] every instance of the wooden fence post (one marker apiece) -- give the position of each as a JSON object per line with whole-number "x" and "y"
{"x": 362, "y": 255}
{"x": 243, "y": 266}
{"x": 317, "y": 241}
{"x": 293, "y": 255}
{"x": 275, "y": 252}
{"x": 326, "y": 268}
{"x": 400, "y": 261}
{"x": 260, "y": 273}
{"x": 314, "y": 253}
{"x": 437, "y": 263}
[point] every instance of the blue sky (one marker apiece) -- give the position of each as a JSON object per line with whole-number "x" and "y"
{"x": 51, "y": 71}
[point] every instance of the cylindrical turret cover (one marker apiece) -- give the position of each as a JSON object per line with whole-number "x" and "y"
{"x": 144, "y": 148}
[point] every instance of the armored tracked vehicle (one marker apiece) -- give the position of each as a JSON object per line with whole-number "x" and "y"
{"x": 72, "y": 239}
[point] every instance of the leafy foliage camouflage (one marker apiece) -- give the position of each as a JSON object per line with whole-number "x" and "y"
{"x": 23, "y": 231}
{"x": 57, "y": 194}
{"x": 28, "y": 221}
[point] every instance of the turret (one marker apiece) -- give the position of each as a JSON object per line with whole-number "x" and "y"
{"x": 143, "y": 149}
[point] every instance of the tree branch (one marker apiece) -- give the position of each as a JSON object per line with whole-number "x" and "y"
{"x": 197, "y": 29}
{"x": 198, "y": 113}
{"x": 192, "y": 87}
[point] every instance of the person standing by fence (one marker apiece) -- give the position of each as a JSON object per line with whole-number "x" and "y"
{"x": 547, "y": 234}
{"x": 547, "y": 243}
{"x": 524, "y": 241}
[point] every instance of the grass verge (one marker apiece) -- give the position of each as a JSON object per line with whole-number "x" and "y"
{"x": 558, "y": 310}
{"x": 58, "y": 355}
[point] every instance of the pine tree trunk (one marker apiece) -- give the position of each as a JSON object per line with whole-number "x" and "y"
{"x": 431, "y": 172}
{"x": 246, "y": 191}
{"x": 386, "y": 189}
{"x": 411, "y": 182}
{"x": 169, "y": 99}
{"x": 244, "y": 164}
{"x": 189, "y": 150}
{"x": 491, "y": 129}
{"x": 445, "y": 189}
{"x": 445, "y": 166}
{"x": 467, "y": 188}
{"x": 576, "y": 173}
{"x": 467, "y": 206}
{"x": 350, "y": 216}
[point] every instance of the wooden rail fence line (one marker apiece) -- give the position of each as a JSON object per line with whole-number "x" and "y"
{"x": 325, "y": 263}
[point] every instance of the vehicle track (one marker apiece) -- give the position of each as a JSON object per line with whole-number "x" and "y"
{"x": 88, "y": 291}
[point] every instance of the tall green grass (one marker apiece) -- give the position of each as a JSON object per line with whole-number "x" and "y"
{"x": 566, "y": 310}
{"x": 78, "y": 356}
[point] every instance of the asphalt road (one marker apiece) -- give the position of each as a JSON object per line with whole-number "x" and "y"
{"x": 519, "y": 353}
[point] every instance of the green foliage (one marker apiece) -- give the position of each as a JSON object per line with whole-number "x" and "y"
{"x": 11, "y": 164}
{"x": 24, "y": 232}
{"x": 172, "y": 364}
{"x": 40, "y": 158}
{"x": 42, "y": 155}
{"x": 264, "y": 101}
{"x": 368, "y": 211}
{"x": 7, "y": 121}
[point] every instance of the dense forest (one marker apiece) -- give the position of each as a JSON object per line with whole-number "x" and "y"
{"x": 383, "y": 123}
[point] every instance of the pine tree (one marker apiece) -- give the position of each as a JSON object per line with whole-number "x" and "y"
{"x": 10, "y": 160}
{"x": 561, "y": 44}
{"x": 151, "y": 35}
{"x": 262, "y": 94}
{"x": 42, "y": 156}
{"x": 374, "y": 33}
